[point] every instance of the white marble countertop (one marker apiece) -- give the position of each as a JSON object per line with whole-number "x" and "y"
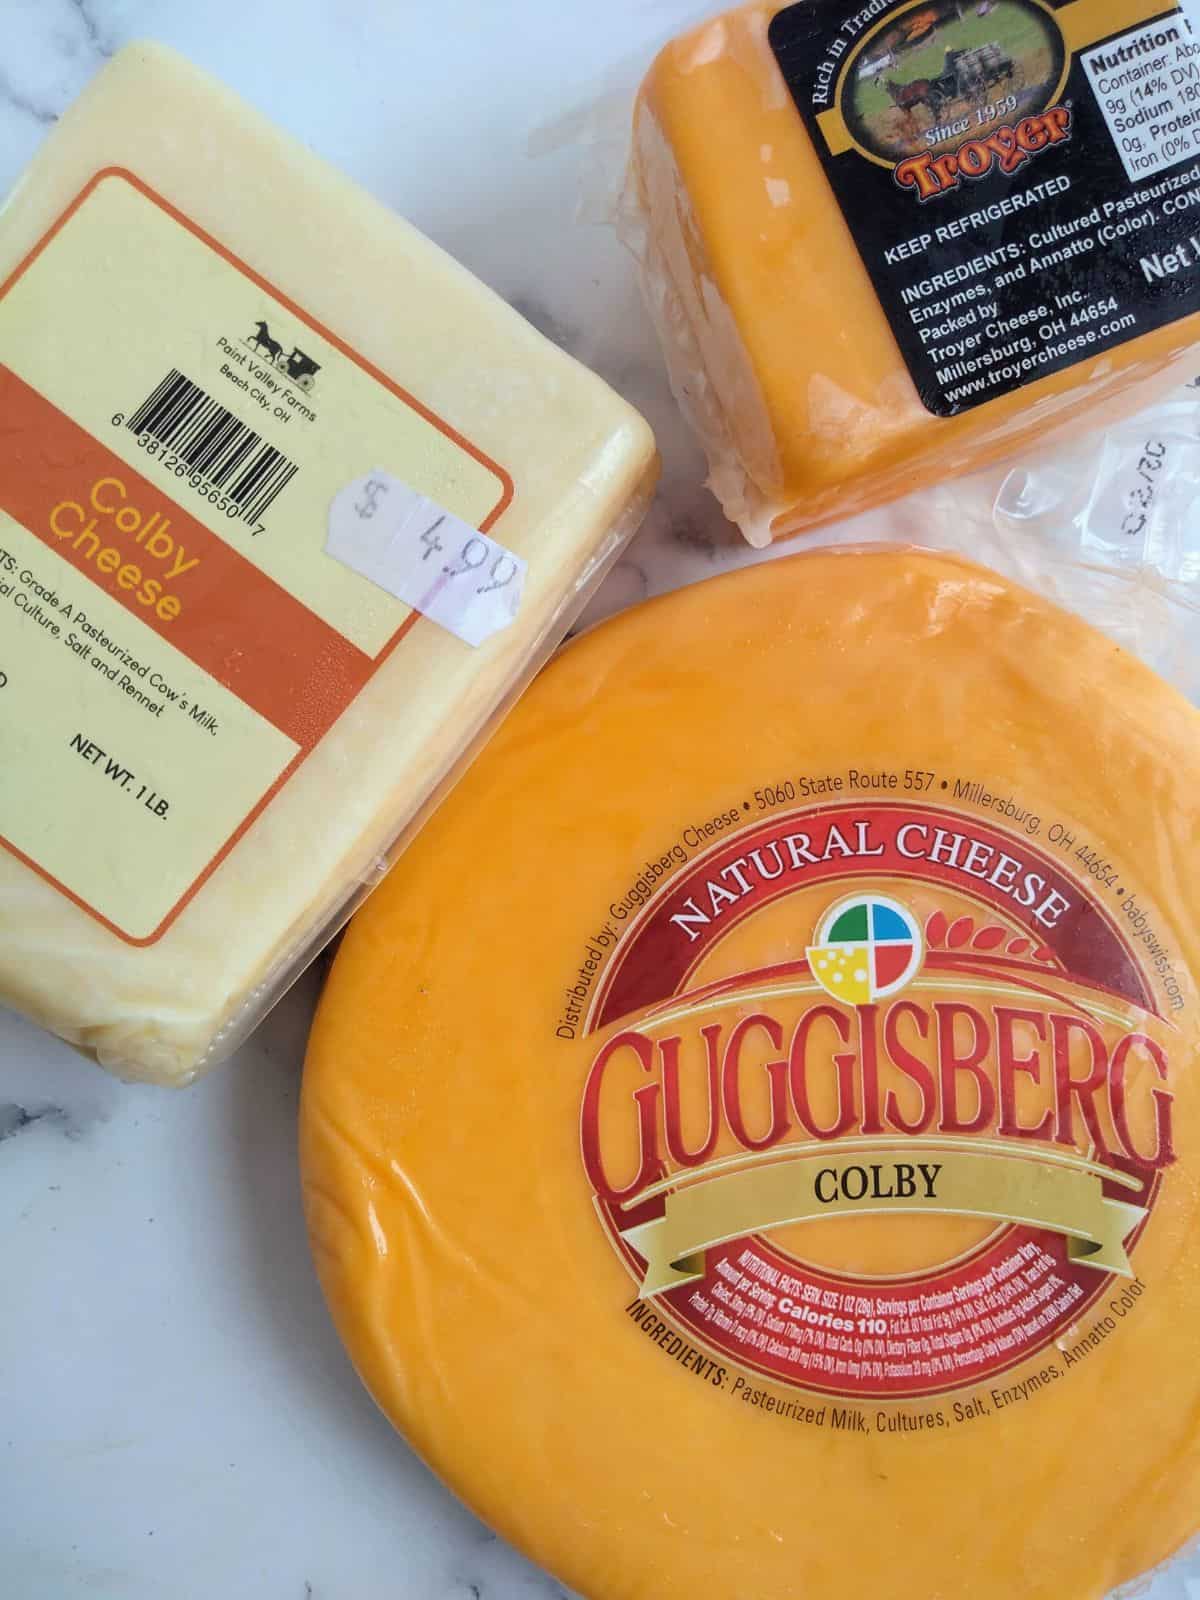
{"x": 176, "y": 1414}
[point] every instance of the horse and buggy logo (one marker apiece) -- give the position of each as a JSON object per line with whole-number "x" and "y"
{"x": 934, "y": 74}
{"x": 968, "y": 76}
{"x": 297, "y": 366}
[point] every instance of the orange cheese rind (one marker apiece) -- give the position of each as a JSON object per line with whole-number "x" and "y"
{"x": 519, "y": 1264}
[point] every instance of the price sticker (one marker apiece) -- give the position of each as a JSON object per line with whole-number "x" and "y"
{"x": 458, "y": 577}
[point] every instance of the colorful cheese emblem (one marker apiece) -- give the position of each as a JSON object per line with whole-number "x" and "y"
{"x": 866, "y": 949}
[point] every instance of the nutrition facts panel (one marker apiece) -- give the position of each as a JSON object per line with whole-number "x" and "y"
{"x": 1147, "y": 83}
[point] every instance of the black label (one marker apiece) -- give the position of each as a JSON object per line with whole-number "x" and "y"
{"x": 1022, "y": 183}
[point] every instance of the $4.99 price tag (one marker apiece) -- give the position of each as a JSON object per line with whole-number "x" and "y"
{"x": 444, "y": 568}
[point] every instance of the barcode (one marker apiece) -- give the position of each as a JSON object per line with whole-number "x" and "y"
{"x": 214, "y": 445}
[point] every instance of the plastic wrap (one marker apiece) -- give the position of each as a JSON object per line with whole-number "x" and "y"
{"x": 845, "y": 320}
{"x": 291, "y": 508}
{"x": 1108, "y": 527}
{"x": 769, "y": 1167}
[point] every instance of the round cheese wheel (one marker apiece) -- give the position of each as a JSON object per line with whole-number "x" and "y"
{"x": 750, "y": 1142}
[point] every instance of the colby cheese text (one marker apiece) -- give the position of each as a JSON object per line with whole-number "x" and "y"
{"x": 100, "y": 529}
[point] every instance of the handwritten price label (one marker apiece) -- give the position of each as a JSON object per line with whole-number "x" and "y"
{"x": 422, "y": 554}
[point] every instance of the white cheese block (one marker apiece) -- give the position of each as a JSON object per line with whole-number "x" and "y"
{"x": 213, "y": 730}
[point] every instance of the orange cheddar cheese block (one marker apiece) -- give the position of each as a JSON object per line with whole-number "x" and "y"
{"x": 888, "y": 244}
{"x": 751, "y": 1142}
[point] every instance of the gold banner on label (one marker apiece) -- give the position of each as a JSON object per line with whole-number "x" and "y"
{"x": 1082, "y": 23}
{"x": 1067, "y": 1200}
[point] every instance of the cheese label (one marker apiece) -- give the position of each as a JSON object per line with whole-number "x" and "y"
{"x": 816, "y": 1127}
{"x": 175, "y": 638}
{"x": 1022, "y": 180}
{"x": 849, "y": 1016}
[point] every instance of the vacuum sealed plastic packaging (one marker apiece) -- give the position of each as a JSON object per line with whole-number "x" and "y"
{"x": 1107, "y": 526}
{"x": 1110, "y": 526}
{"x": 291, "y": 507}
{"x": 886, "y": 245}
{"x": 790, "y": 1124}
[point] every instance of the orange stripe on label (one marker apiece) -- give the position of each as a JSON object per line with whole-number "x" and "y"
{"x": 171, "y": 572}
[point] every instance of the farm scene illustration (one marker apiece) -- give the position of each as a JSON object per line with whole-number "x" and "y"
{"x": 950, "y": 71}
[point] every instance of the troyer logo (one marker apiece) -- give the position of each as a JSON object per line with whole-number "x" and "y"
{"x": 1005, "y": 149}
{"x": 877, "y": 1099}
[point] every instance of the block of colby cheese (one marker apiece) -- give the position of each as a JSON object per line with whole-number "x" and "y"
{"x": 768, "y": 1166}
{"x": 884, "y": 244}
{"x": 290, "y": 507}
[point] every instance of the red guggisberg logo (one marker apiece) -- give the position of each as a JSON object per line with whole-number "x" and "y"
{"x": 878, "y": 1099}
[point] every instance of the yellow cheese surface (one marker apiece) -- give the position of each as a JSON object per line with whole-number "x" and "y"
{"x": 229, "y": 225}
{"x": 780, "y": 349}
{"x": 513, "y": 1016}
